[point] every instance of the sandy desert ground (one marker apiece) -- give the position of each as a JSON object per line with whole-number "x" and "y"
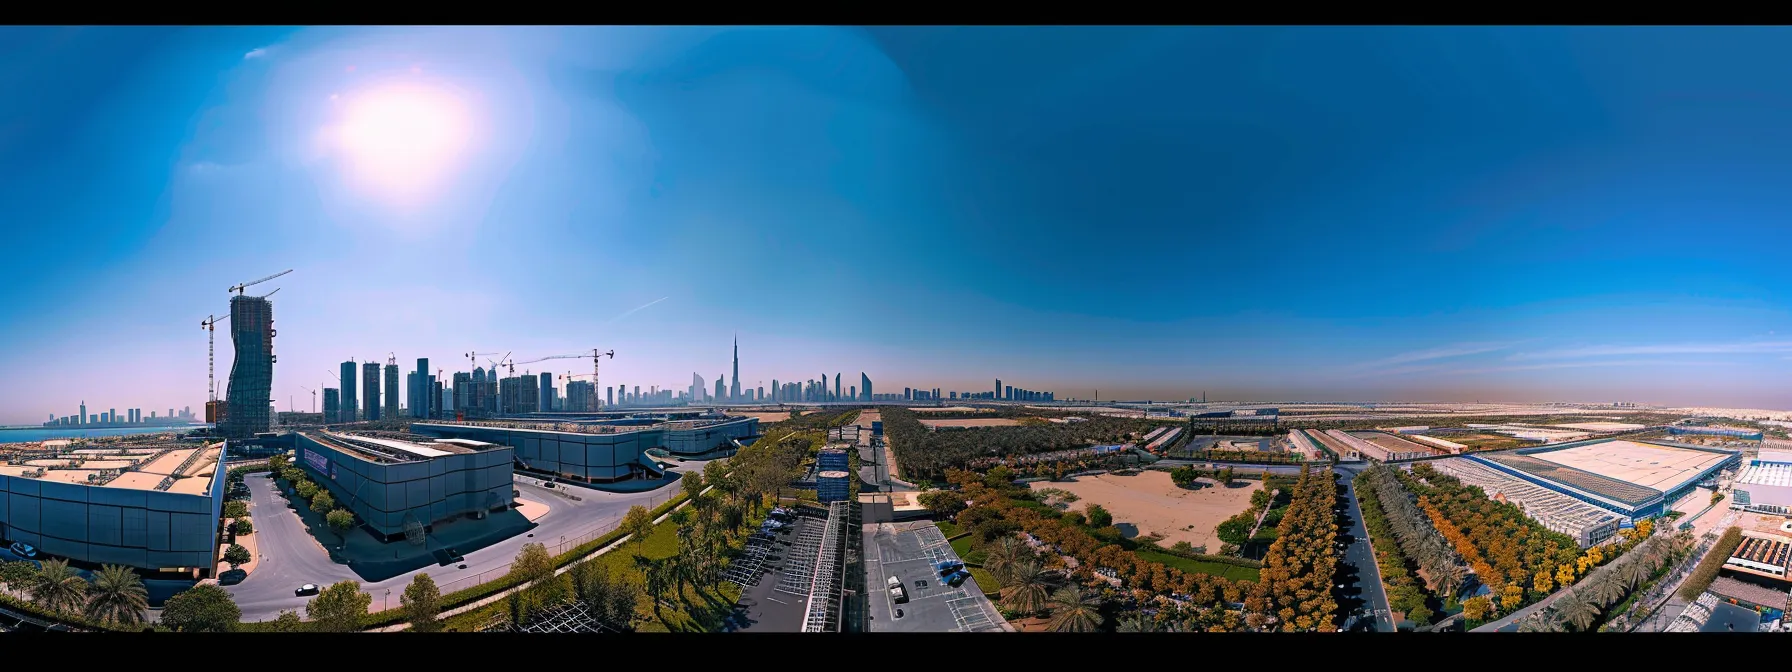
{"x": 1153, "y": 503}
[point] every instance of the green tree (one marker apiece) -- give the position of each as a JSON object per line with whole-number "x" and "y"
{"x": 716, "y": 474}
{"x": 288, "y": 621}
{"x": 117, "y": 596}
{"x": 322, "y": 502}
{"x": 17, "y": 575}
{"x": 202, "y": 608}
{"x": 692, "y": 482}
{"x": 637, "y": 523}
{"x": 340, "y": 522}
{"x": 236, "y": 555}
{"x": 242, "y": 526}
{"x": 944, "y": 503}
{"x": 1260, "y": 499}
{"x": 58, "y": 588}
{"x": 277, "y": 463}
{"x": 1183, "y": 476}
{"x": 236, "y": 509}
{"x": 1098, "y": 516}
{"x": 517, "y": 607}
{"x": 304, "y": 489}
{"x": 534, "y": 567}
{"x": 339, "y": 608}
{"x": 1025, "y": 589}
{"x": 422, "y": 603}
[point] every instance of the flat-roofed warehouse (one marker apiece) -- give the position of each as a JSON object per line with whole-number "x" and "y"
{"x": 1635, "y": 479}
{"x": 154, "y": 509}
{"x": 1765, "y": 484}
{"x": 392, "y": 480}
{"x": 602, "y": 451}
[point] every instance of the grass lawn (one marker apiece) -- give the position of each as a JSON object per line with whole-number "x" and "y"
{"x": 986, "y": 582}
{"x": 962, "y": 547}
{"x": 946, "y": 528}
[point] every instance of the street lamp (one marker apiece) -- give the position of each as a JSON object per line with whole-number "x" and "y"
{"x": 386, "y": 603}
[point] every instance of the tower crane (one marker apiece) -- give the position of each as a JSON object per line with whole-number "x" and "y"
{"x": 209, "y": 324}
{"x": 313, "y": 397}
{"x": 595, "y": 355}
{"x": 473, "y": 359}
{"x": 239, "y": 288}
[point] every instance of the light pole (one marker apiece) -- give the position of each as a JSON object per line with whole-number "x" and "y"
{"x": 386, "y": 603}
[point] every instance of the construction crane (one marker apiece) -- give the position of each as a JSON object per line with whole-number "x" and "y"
{"x": 239, "y": 288}
{"x": 595, "y": 355}
{"x": 591, "y": 402}
{"x": 473, "y": 359}
{"x": 209, "y": 324}
{"x": 313, "y": 397}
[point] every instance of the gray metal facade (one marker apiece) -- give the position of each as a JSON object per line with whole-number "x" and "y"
{"x": 146, "y": 529}
{"x": 431, "y": 490}
{"x": 596, "y": 457}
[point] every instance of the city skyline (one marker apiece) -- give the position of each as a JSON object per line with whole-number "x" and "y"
{"x": 1348, "y": 214}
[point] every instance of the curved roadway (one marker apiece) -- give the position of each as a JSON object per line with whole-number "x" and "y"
{"x": 292, "y": 557}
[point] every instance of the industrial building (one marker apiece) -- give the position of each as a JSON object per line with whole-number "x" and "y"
{"x": 1765, "y": 484}
{"x": 252, "y": 372}
{"x": 1742, "y": 433}
{"x": 598, "y": 451}
{"x": 397, "y": 483}
{"x": 1762, "y": 554}
{"x": 150, "y": 506}
{"x": 1634, "y": 479}
{"x": 832, "y": 486}
{"x": 1585, "y": 523}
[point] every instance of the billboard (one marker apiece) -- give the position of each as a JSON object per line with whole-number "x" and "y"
{"x": 319, "y": 462}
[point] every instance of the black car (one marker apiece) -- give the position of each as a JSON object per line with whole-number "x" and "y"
{"x": 307, "y": 589}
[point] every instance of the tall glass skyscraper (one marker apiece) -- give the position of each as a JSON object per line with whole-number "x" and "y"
{"x": 252, "y": 373}
{"x": 350, "y": 402}
{"x": 370, "y": 391}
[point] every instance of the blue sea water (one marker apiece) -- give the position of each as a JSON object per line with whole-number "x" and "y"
{"x": 29, "y": 435}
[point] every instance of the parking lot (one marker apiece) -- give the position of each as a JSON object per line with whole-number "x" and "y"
{"x": 775, "y": 573}
{"x": 908, "y": 551}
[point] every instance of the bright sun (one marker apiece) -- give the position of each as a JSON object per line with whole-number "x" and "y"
{"x": 402, "y": 139}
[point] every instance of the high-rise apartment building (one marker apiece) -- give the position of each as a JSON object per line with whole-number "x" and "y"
{"x": 419, "y": 390}
{"x": 332, "y": 404}
{"x": 370, "y": 391}
{"x": 82, "y": 418}
{"x": 609, "y": 396}
{"x": 546, "y": 392}
{"x": 391, "y": 407}
{"x": 865, "y": 382}
{"x": 252, "y": 372}
{"x": 720, "y": 391}
{"x": 350, "y": 402}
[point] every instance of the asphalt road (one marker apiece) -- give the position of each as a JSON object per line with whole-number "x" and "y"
{"x": 1362, "y": 578}
{"x": 292, "y": 557}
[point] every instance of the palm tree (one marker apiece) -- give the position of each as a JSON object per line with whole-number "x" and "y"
{"x": 1608, "y": 588}
{"x": 1576, "y": 610}
{"x": 1635, "y": 572}
{"x": 1074, "y": 611}
{"x": 1137, "y": 623}
{"x": 1543, "y": 621}
{"x": 118, "y": 596}
{"x": 1025, "y": 590}
{"x": 1000, "y": 556}
{"x": 655, "y": 580}
{"x": 59, "y": 588}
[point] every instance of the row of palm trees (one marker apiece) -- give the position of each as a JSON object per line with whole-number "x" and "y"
{"x": 116, "y": 595}
{"x": 1029, "y": 588}
{"x": 1593, "y": 599}
{"x": 1413, "y": 531}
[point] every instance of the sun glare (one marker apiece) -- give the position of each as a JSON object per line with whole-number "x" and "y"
{"x": 402, "y": 139}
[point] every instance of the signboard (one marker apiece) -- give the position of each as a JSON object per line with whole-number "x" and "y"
{"x": 317, "y": 461}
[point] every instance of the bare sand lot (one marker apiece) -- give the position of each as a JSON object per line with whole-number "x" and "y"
{"x": 972, "y": 422}
{"x": 1150, "y": 501}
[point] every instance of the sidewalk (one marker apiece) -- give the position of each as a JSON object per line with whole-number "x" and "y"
{"x": 500, "y": 595}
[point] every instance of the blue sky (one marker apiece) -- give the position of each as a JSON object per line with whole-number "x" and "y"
{"x": 1260, "y": 213}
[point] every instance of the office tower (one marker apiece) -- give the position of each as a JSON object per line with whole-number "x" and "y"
{"x": 759, "y": 394}
{"x": 777, "y": 391}
{"x": 546, "y": 402}
{"x": 391, "y": 407}
{"x": 417, "y": 389}
{"x": 837, "y": 387}
{"x": 1009, "y": 393}
{"x": 82, "y": 418}
{"x": 170, "y": 413}
{"x": 865, "y": 382}
{"x": 350, "y": 402}
{"x": 370, "y": 391}
{"x": 998, "y": 394}
{"x": 734, "y": 391}
{"x": 609, "y": 396}
{"x": 697, "y": 388}
{"x": 531, "y": 393}
{"x": 332, "y": 404}
{"x": 435, "y": 398}
{"x": 720, "y": 390}
{"x": 252, "y": 373}
{"x": 636, "y": 397}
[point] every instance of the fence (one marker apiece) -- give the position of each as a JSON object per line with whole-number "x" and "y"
{"x": 563, "y": 543}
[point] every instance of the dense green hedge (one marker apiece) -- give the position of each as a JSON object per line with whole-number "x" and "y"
{"x": 29, "y": 609}
{"x": 1706, "y": 572}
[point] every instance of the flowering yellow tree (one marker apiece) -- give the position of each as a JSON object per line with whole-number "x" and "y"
{"x": 1542, "y": 582}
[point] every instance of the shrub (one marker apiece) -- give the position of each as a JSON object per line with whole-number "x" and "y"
{"x": 202, "y": 608}
{"x": 1706, "y": 571}
{"x": 236, "y": 555}
{"x": 237, "y": 509}
{"x": 242, "y": 526}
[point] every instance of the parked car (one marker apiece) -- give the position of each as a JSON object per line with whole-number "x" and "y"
{"x": 23, "y": 550}
{"x": 307, "y": 589}
{"x": 958, "y": 578}
{"x": 947, "y": 567}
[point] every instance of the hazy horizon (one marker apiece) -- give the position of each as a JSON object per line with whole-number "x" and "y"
{"x": 1264, "y": 214}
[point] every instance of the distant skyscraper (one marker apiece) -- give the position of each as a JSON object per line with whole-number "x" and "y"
{"x": 252, "y": 372}
{"x": 82, "y": 418}
{"x": 720, "y": 390}
{"x": 865, "y": 382}
{"x": 370, "y": 391}
{"x": 734, "y": 391}
{"x": 350, "y": 399}
{"x": 420, "y": 389}
{"x": 697, "y": 388}
{"x": 546, "y": 403}
{"x": 392, "y": 398}
{"x": 332, "y": 404}
{"x": 609, "y": 396}
{"x": 837, "y": 396}
{"x": 998, "y": 394}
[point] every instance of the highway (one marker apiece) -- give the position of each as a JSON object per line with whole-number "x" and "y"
{"x": 292, "y": 557}
{"x": 1365, "y": 580}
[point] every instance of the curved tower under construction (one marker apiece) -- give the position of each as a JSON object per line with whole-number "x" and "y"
{"x": 252, "y": 371}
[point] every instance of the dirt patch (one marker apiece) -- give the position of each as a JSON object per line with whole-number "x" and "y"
{"x": 1151, "y": 502}
{"x": 972, "y": 422}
